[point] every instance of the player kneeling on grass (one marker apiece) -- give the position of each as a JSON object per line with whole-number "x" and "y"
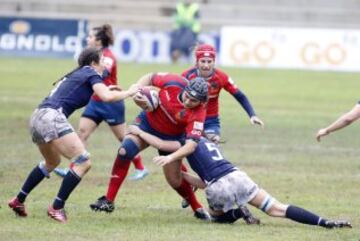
{"x": 226, "y": 186}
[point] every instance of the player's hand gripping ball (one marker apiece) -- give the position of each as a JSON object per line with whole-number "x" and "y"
{"x": 147, "y": 98}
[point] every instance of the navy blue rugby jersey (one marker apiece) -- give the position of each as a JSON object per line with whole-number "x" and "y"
{"x": 208, "y": 162}
{"x": 73, "y": 91}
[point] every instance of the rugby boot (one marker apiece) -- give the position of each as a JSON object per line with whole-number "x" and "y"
{"x": 139, "y": 174}
{"x": 103, "y": 205}
{"x": 337, "y": 224}
{"x": 57, "y": 214}
{"x": 17, "y": 207}
{"x": 202, "y": 214}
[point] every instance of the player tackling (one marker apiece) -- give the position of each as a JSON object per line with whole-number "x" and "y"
{"x": 226, "y": 186}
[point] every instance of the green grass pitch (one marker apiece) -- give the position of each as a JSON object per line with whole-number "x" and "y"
{"x": 283, "y": 158}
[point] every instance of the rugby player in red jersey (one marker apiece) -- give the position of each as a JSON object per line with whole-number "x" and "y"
{"x": 181, "y": 113}
{"x": 217, "y": 80}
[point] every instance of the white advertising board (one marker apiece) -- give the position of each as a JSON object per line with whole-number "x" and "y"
{"x": 318, "y": 49}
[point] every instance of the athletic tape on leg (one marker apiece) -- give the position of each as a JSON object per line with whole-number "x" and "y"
{"x": 267, "y": 203}
{"x": 82, "y": 158}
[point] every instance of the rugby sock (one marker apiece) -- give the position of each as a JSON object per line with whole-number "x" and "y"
{"x": 118, "y": 175}
{"x": 71, "y": 180}
{"x": 229, "y": 217}
{"x": 138, "y": 163}
{"x": 187, "y": 193}
{"x": 34, "y": 178}
{"x": 303, "y": 216}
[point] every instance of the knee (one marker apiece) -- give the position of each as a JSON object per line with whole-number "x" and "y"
{"x": 174, "y": 182}
{"x": 173, "y": 179}
{"x": 83, "y": 134}
{"x": 128, "y": 150}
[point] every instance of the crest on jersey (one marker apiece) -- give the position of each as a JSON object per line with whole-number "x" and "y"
{"x": 181, "y": 114}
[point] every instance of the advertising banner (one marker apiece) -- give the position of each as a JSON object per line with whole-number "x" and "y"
{"x": 318, "y": 49}
{"x": 41, "y": 37}
{"x": 150, "y": 46}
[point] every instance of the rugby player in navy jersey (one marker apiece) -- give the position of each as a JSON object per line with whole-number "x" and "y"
{"x": 344, "y": 120}
{"x": 54, "y": 135}
{"x": 226, "y": 186}
{"x": 96, "y": 111}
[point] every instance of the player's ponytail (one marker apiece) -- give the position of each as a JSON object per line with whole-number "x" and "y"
{"x": 86, "y": 57}
{"x": 105, "y": 34}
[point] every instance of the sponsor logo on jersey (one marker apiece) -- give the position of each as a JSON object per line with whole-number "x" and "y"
{"x": 196, "y": 133}
{"x": 198, "y": 125}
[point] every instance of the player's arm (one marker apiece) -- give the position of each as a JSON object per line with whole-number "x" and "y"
{"x": 243, "y": 101}
{"x": 154, "y": 141}
{"x": 111, "y": 93}
{"x": 145, "y": 80}
{"x": 185, "y": 150}
{"x": 341, "y": 122}
{"x": 194, "y": 180}
{"x": 193, "y": 130}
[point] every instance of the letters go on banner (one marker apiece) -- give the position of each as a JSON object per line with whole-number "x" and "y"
{"x": 41, "y": 37}
{"x": 318, "y": 49}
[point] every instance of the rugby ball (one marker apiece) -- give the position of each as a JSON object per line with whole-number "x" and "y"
{"x": 147, "y": 98}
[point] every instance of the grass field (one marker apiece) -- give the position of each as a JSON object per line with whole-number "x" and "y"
{"x": 283, "y": 158}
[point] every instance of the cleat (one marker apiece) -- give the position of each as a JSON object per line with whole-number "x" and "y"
{"x": 202, "y": 214}
{"x": 184, "y": 202}
{"x": 103, "y": 205}
{"x": 17, "y": 207}
{"x": 337, "y": 224}
{"x": 248, "y": 217}
{"x": 57, "y": 214}
{"x": 61, "y": 172}
{"x": 139, "y": 174}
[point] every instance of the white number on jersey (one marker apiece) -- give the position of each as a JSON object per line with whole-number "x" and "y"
{"x": 57, "y": 86}
{"x": 213, "y": 148}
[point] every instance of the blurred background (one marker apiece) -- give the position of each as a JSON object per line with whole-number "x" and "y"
{"x": 266, "y": 46}
{"x": 305, "y": 34}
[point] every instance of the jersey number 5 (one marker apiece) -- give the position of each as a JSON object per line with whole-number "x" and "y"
{"x": 214, "y": 150}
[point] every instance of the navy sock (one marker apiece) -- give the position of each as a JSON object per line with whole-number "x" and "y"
{"x": 71, "y": 180}
{"x": 230, "y": 216}
{"x": 303, "y": 216}
{"x": 34, "y": 178}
